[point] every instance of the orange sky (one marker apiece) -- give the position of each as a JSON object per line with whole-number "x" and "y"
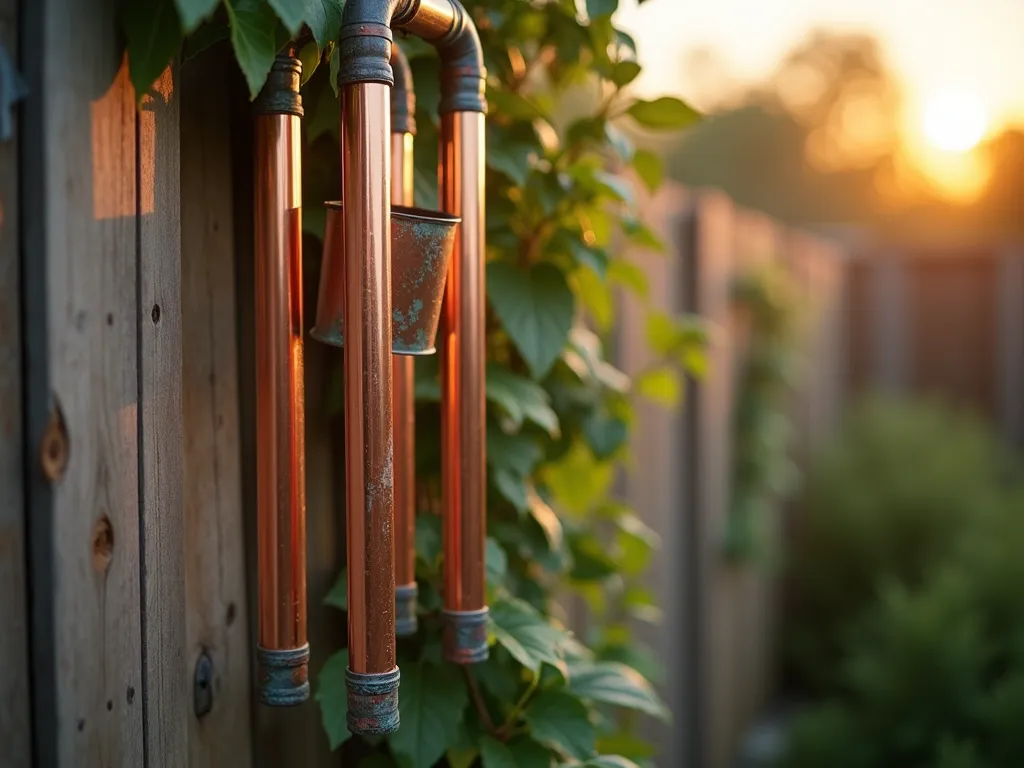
{"x": 932, "y": 45}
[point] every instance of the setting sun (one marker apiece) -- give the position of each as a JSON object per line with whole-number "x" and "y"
{"x": 954, "y": 121}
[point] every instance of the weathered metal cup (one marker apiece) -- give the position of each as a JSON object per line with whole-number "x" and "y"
{"x": 421, "y": 247}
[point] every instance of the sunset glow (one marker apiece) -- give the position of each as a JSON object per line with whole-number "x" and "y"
{"x": 954, "y": 121}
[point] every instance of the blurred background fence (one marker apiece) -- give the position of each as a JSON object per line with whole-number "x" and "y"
{"x": 943, "y": 322}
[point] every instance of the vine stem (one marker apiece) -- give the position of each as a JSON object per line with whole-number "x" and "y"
{"x": 478, "y": 701}
{"x": 504, "y": 731}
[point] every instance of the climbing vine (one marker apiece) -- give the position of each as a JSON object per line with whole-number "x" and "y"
{"x": 560, "y": 219}
{"x": 762, "y": 471}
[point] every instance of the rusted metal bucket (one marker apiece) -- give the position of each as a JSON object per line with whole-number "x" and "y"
{"x": 421, "y": 247}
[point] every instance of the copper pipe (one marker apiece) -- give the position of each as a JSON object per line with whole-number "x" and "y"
{"x": 365, "y": 183}
{"x": 430, "y": 19}
{"x": 463, "y": 449}
{"x": 405, "y": 426}
{"x": 281, "y": 505}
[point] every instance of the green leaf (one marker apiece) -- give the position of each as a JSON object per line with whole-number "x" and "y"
{"x": 660, "y": 385}
{"x": 338, "y": 596}
{"x": 560, "y": 720}
{"x": 517, "y": 453}
{"x": 665, "y": 113}
{"x": 610, "y": 761}
{"x": 205, "y": 36}
{"x": 323, "y": 17}
{"x": 526, "y": 634}
{"x": 630, "y": 275}
{"x": 649, "y": 168}
{"x": 591, "y": 561}
{"x": 625, "y": 72}
{"x": 334, "y": 67}
{"x": 625, "y": 744}
{"x": 191, "y": 12}
{"x": 535, "y": 307}
{"x": 609, "y": 682}
{"x": 324, "y": 119}
{"x": 428, "y": 538}
{"x": 546, "y": 519}
{"x": 292, "y": 13}
{"x": 431, "y": 700}
{"x": 577, "y": 480}
{"x": 461, "y": 757}
{"x": 605, "y": 433}
{"x": 253, "y": 36}
{"x": 309, "y": 57}
{"x": 528, "y": 753}
{"x": 596, "y": 297}
{"x": 154, "y": 34}
{"x": 496, "y": 755}
{"x": 496, "y": 560}
{"x": 332, "y": 696}
{"x": 599, "y": 8}
{"x": 512, "y": 487}
{"x": 514, "y": 105}
{"x": 520, "y": 399}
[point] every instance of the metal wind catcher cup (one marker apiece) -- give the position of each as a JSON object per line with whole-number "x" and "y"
{"x": 421, "y": 248}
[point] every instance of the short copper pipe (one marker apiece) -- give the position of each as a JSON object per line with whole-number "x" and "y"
{"x": 369, "y": 457}
{"x": 280, "y": 452}
{"x": 463, "y": 449}
{"x": 405, "y": 426}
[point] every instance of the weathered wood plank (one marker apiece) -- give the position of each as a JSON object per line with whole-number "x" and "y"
{"x": 80, "y": 278}
{"x": 160, "y": 319}
{"x": 14, "y": 706}
{"x": 216, "y": 622}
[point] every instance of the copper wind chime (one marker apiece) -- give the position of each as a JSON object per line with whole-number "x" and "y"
{"x": 396, "y": 282}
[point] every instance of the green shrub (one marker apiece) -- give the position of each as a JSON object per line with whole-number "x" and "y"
{"x": 886, "y": 503}
{"x": 935, "y": 674}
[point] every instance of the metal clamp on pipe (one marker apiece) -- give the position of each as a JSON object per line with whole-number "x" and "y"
{"x": 283, "y": 652}
{"x": 403, "y": 130}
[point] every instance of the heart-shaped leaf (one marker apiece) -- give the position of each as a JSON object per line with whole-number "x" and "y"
{"x": 536, "y": 308}
{"x": 430, "y": 704}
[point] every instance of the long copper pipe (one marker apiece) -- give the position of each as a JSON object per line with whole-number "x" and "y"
{"x": 369, "y": 454}
{"x": 463, "y": 449}
{"x": 405, "y": 426}
{"x": 403, "y": 129}
{"x": 280, "y": 452}
{"x": 364, "y": 77}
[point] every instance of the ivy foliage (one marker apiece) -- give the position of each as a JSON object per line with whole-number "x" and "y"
{"x": 762, "y": 471}
{"x": 560, "y": 219}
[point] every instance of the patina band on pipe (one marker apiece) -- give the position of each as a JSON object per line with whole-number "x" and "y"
{"x": 403, "y": 128}
{"x": 283, "y": 653}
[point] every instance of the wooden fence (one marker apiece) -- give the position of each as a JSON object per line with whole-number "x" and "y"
{"x": 718, "y": 638}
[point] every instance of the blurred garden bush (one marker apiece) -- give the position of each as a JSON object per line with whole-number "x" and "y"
{"x": 911, "y": 624}
{"x": 886, "y": 503}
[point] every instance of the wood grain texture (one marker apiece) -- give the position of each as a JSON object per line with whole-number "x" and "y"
{"x": 80, "y": 295}
{"x": 14, "y": 702}
{"x": 216, "y": 621}
{"x": 167, "y": 693}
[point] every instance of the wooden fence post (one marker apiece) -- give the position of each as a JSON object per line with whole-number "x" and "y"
{"x": 82, "y": 387}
